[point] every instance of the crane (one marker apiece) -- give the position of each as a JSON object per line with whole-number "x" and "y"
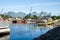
{"x": 40, "y": 14}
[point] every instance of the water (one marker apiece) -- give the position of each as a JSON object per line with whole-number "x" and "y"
{"x": 26, "y": 31}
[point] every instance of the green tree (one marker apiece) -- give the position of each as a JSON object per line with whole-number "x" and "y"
{"x": 34, "y": 17}
{"x": 58, "y": 17}
{"x": 53, "y": 17}
{"x": 5, "y": 16}
{"x": 18, "y": 17}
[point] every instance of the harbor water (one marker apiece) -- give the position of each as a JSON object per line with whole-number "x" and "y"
{"x": 26, "y": 31}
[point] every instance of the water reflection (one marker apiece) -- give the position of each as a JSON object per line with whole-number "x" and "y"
{"x": 26, "y": 31}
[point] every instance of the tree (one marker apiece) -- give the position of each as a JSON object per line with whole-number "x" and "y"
{"x": 18, "y": 17}
{"x": 34, "y": 17}
{"x": 58, "y": 17}
{"x": 5, "y": 16}
{"x": 53, "y": 17}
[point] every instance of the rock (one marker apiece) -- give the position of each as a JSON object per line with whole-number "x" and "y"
{"x": 53, "y": 34}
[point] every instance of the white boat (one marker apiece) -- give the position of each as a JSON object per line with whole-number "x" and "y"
{"x": 6, "y": 30}
{"x": 42, "y": 23}
{"x": 4, "y": 27}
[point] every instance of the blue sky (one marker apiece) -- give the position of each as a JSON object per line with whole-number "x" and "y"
{"x": 52, "y": 6}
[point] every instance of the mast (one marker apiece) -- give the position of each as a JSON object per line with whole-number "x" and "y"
{"x": 2, "y": 11}
{"x": 30, "y": 11}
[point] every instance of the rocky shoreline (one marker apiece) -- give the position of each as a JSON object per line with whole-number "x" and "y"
{"x": 53, "y": 34}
